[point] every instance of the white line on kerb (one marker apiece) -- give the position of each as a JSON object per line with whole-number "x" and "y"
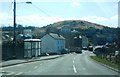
{"x": 11, "y": 73}
{"x": 74, "y": 69}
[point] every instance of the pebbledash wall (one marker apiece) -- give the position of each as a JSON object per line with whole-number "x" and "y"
{"x": 52, "y": 44}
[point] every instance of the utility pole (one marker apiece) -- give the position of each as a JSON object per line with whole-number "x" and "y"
{"x": 14, "y": 31}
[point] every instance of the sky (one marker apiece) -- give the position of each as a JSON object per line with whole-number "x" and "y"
{"x": 44, "y": 12}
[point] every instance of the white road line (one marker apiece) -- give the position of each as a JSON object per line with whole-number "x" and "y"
{"x": 73, "y": 61}
{"x": 74, "y": 69}
{"x": 0, "y": 75}
{"x": 11, "y": 73}
{"x": 35, "y": 67}
{"x": 19, "y": 73}
{"x": 40, "y": 64}
{"x": 19, "y": 65}
{"x": 74, "y": 58}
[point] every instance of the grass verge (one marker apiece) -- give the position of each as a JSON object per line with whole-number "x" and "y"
{"x": 106, "y": 62}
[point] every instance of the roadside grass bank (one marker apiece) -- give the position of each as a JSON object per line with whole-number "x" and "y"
{"x": 106, "y": 62}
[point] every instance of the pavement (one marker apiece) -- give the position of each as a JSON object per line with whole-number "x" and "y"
{"x": 20, "y": 61}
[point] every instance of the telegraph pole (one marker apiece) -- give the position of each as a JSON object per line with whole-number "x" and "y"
{"x": 14, "y": 31}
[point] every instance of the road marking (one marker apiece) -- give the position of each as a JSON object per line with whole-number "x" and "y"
{"x": 74, "y": 69}
{"x": 74, "y": 58}
{"x": 73, "y": 61}
{"x": 0, "y": 75}
{"x": 11, "y": 73}
{"x": 19, "y": 73}
{"x": 40, "y": 64}
{"x": 48, "y": 60}
{"x": 35, "y": 67}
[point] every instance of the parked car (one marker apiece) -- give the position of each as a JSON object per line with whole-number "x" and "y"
{"x": 90, "y": 48}
{"x": 85, "y": 48}
{"x": 65, "y": 51}
{"x": 79, "y": 52}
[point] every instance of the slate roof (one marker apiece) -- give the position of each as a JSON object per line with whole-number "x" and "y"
{"x": 56, "y": 36}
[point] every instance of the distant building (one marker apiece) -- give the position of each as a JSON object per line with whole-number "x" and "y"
{"x": 78, "y": 41}
{"x": 52, "y": 44}
{"x": 85, "y": 41}
{"x": 27, "y": 33}
{"x": 19, "y": 37}
{"x": 99, "y": 39}
{"x": 65, "y": 29}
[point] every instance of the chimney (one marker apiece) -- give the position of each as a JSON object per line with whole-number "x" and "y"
{"x": 58, "y": 33}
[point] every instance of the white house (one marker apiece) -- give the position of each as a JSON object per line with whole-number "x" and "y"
{"x": 52, "y": 44}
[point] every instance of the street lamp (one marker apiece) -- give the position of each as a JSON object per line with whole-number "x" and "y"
{"x": 14, "y": 23}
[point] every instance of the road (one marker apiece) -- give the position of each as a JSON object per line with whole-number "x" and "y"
{"x": 69, "y": 64}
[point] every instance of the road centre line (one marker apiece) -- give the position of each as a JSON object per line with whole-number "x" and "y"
{"x": 73, "y": 61}
{"x": 74, "y": 58}
{"x": 74, "y": 69}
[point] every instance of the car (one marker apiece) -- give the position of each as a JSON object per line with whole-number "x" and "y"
{"x": 90, "y": 48}
{"x": 64, "y": 51}
{"x": 85, "y": 48}
{"x": 78, "y": 52}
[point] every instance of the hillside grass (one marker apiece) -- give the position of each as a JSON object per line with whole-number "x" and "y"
{"x": 106, "y": 62}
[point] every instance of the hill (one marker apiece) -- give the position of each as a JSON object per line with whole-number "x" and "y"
{"x": 77, "y": 24}
{"x": 96, "y": 33}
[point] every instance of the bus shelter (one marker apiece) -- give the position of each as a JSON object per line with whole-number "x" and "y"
{"x": 32, "y": 48}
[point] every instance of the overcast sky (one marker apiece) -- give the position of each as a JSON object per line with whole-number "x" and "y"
{"x": 44, "y": 12}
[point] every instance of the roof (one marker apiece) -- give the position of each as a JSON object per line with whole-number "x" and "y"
{"x": 32, "y": 40}
{"x": 56, "y": 36}
{"x": 97, "y": 47}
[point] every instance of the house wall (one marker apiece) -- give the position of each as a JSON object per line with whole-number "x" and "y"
{"x": 51, "y": 45}
{"x": 60, "y": 45}
{"x": 48, "y": 44}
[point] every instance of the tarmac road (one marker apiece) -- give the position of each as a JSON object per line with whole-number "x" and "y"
{"x": 69, "y": 64}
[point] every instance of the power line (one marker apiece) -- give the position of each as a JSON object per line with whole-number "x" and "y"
{"x": 41, "y": 10}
